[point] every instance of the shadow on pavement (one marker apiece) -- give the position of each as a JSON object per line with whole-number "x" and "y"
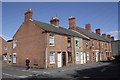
{"x": 110, "y": 71}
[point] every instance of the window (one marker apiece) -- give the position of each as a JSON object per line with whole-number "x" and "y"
{"x": 102, "y": 45}
{"x": 77, "y": 43}
{"x": 77, "y": 56}
{"x": 87, "y": 44}
{"x": 5, "y": 47}
{"x": 69, "y": 57}
{"x": 98, "y": 44}
{"x": 51, "y": 39}
{"x": 9, "y": 58}
{"x": 88, "y": 56}
{"x": 14, "y": 44}
{"x": 69, "y": 42}
{"x": 52, "y": 57}
{"x": 92, "y": 43}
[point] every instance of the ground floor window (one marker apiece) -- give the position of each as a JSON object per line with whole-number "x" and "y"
{"x": 52, "y": 57}
{"x": 88, "y": 57}
{"x": 5, "y": 56}
{"x": 10, "y": 58}
{"x": 69, "y": 57}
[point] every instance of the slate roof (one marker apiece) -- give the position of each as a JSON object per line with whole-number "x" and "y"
{"x": 93, "y": 35}
{"x": 59, "y": 30}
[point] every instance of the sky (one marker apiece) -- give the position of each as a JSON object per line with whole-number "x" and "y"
{"x": 103, "y": 15}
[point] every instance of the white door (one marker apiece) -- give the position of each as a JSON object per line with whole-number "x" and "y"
{"x": 81, "y": 58}
{"x": 96, "y": 56}
{"x": 14, "y": 57}
{"x": 59, "y": 60}
{"x": 77, "y": 56}
{"x": 84, "y": 57}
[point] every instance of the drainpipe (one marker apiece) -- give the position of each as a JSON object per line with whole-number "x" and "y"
{"x": 46, "y": 62}
{"x": 74, "y": 50}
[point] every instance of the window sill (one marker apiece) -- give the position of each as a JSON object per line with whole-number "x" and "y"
{"x": 52, "y": 45}
{"x": 52, "y": 63}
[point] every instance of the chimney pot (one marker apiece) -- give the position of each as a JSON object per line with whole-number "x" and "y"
{"x": 104, "y": 35}
{"x": 108, "y": 36}
{"x": 54, "y": 21}
{"x": 112, "y": 38}
{"x": 28, "y": 14}
{"x": 98, "y": 31}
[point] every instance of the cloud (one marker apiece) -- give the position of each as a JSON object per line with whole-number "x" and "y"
{"x": 5, "y": 37}
{"x": 114, "y": 32}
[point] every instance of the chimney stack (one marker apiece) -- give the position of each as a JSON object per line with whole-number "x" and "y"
{"x": 72, "y": 22}
{"x": 112, "y": 38}
{"x": 104, "y": 35}
{"x": 88, "y": 27}
{"x": 108, "y": 36}
{"x": 98, "y": 31}
{"x": 55, "y": 21}
{"x": 28, "y": 14}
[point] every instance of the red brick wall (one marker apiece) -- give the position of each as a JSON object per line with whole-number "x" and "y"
{"x": 60, "y": 46}
{"x": 30, "y": 44}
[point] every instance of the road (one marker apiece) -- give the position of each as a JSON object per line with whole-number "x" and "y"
{"x": 91, "y": 70}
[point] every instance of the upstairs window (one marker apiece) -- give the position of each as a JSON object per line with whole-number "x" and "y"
{"x": 69, "y": 42}
{"x": 51, "y": 39}
{"x": 87, "y": 44}
{"x": 102, "y": 45}
{"x": 5, "y": 47}
{"x": 92, "y": 43}
{"x": 14, "y": 44}
{"x": 76, "y": 43}
{"x": 98, "y": 44}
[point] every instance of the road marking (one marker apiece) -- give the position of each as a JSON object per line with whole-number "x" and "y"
{"x": 16, "y": 75}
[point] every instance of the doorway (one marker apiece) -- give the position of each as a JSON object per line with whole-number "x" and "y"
{"x": 14, "y": 57}
{"x": 59, "y": 59}
{"x": 64, "y": 58}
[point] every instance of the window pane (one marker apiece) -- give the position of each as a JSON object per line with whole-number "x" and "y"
{"x": 51, "y": 40}
{"x": 77, "y": 43}
{"x": 69, "y": 57}
{"x": 52, "y": 57}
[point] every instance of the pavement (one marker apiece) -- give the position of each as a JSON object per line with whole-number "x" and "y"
{"x": 73, "y": 71}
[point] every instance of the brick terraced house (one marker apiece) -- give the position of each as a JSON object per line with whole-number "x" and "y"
{"x": 50, "y": 45}
{"x": 46, "y": 45}
{"x": 98, "y": 47}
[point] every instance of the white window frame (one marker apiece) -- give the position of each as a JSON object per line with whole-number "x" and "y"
{"x": 52, "y": 55}
{"x": 78, "y": 42}
{"x": 14, "y": 44}
{"x": 5, "y": 48}
{"x": 87, "y": 44}
{"x": 98, "y": 44}
{"x": 51, "y": 40}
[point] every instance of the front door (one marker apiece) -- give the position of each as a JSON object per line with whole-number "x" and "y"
{"x": 59, "y": 60}
{"x": 81, "y": 58}
{"x": 14, "y": 57}
{"x": 84, "y": 57}
{"x": 96, "y": 56}
{"x": 64, "y": 58}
